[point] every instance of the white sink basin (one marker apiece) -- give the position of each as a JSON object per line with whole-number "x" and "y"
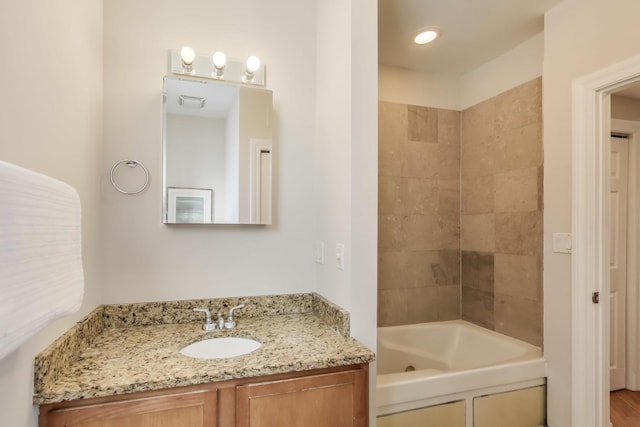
{"x": 220, "y": 348}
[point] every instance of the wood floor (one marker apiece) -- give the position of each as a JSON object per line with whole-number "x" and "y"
{"x": 625, "y": 408}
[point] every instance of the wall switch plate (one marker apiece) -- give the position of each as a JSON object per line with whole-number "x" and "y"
{"x": 562, "y": 243}
{"x": 340, "y": 256}
{"x": 318, "y": 255}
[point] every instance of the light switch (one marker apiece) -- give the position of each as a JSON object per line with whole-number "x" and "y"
{"x": 340, "y": 256}
{"x": 562, "y": 243}
{"x": 318, "y": 255}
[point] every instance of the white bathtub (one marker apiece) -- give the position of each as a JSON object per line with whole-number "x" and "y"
{"x": 453, "y": 360}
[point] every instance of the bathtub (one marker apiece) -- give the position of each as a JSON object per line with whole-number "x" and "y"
{"x": 433, "y": 363}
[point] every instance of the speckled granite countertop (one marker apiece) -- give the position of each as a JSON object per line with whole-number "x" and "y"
{"x": 117, "y": 359}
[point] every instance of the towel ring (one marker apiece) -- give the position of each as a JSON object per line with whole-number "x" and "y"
{"x": 131, "y": 164}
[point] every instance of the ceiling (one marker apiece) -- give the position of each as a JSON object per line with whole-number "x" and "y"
{"x": 472, "y": 31}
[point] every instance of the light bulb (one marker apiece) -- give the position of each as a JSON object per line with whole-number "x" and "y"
{"x": 187, "y": 55}
{"x": 427, "y": 35}
{"x": 253, "y": 63}
{"x": 219, "y": 60}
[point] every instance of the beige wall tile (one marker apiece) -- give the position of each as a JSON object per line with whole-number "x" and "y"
{"x": 478, "y": 121}
{"x": 518, "y": 233}
{"x": 449, "y": 127}
{"x": 421, "y": 159}
{"x": 393, "y": 120}
{"x": 392, "y": 139}
{"x": 392, "y": 268}
{"x": 449, "y": 214}
{"x": 519, "y": 318}
{"x": 478, "y": 271}
{"x": 478, "y": 158}
{"x": 517, "y": 275}
{"x": 516, "y": 191}
{"x": 518, "y": 148}
{"x": 447, "y": 303}
{"x": 520, "y": 106}
{"x": 422, "y": 232}
{"x": 391, "y": 232}
{"x": 478, "y": 233}
{"x": 392, "y": 195}
{"x": 477, "y": 195}
{"x": 448, "y": 161}
{"x": 477, "y": 307}
{"x": 416, "y": 305}
{"x": 415, "y": 269}
{"x": 423, "y": 124}
{"x": 446, "y": 272}
{"x": 541, "y": 188}
{"x": 422, "y": 196}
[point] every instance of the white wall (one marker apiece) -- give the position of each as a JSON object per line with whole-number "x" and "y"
{"x": 332, "y": 185}
{"x": 147, "y": 261}
{"x": 572, "y": 49}
{"x": 51, "y": 122}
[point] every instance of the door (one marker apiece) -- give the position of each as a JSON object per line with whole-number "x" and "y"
{"x": 328, "y": 400}
{"x": 192, "y": 409}
{"x": 618, "y": 260}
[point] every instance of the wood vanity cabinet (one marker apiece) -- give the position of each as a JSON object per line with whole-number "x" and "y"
{"x": 335, "y": 397}
{"x": 184, "y": 409}
{"x": 331, "y": 400}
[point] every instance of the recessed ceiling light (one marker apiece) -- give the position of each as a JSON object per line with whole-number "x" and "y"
{"x": 427, "y": 35}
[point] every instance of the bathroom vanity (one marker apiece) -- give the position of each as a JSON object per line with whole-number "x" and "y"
{"x": 331, "y": 397}
{"x": 122, "y": 366}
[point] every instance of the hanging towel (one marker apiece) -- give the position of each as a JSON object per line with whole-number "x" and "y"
{"x": 41, "y": 276}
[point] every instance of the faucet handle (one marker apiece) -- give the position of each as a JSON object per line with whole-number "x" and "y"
{"x": 208, "y": 324}
{"x": 231, "y": 323}
{"x": 232, "y": 309}
{"x": 206, "y": 312}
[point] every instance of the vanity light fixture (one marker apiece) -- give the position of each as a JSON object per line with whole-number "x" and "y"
{"x": 219, "y": 60}
{"x": 217, "y": 66}
{"x": 427, "y": 35}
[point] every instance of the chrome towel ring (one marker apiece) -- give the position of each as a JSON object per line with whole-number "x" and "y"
{"x": 131, "y": 164}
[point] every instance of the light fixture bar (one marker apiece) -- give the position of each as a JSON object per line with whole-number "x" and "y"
{"x": 203, "y": 66}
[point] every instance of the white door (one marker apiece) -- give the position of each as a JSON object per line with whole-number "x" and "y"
{"x": 618, "y": 260}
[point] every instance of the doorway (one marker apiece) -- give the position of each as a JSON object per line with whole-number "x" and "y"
{"x": 592, "y": 243}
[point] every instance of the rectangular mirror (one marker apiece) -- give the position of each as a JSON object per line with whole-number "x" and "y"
{"x": 217, "y": 150}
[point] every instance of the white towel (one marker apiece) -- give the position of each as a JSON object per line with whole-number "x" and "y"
{"x": 41, "y": 276}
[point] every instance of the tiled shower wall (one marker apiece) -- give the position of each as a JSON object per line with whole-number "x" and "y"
{"x": 419, "y": 214}
{"x": 501, "y": 237}
{"x": 481, "y": 260}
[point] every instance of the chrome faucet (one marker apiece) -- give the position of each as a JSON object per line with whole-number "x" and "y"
{"x": 231, "y": 323}
{"x": 208, "y": 324}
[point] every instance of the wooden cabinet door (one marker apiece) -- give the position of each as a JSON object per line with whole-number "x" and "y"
{"x": 329, "y": 400}
{"x": 193, "y": 409}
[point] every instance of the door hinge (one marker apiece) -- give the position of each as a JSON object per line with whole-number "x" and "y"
{"x": 595, "y": 297}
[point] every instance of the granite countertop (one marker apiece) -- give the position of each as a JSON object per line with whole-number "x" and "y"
{"x": 124, "y": 359}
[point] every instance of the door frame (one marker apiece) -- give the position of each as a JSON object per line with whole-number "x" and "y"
{"x": 591, "y": 129}
{"x": 632, "y": 129}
